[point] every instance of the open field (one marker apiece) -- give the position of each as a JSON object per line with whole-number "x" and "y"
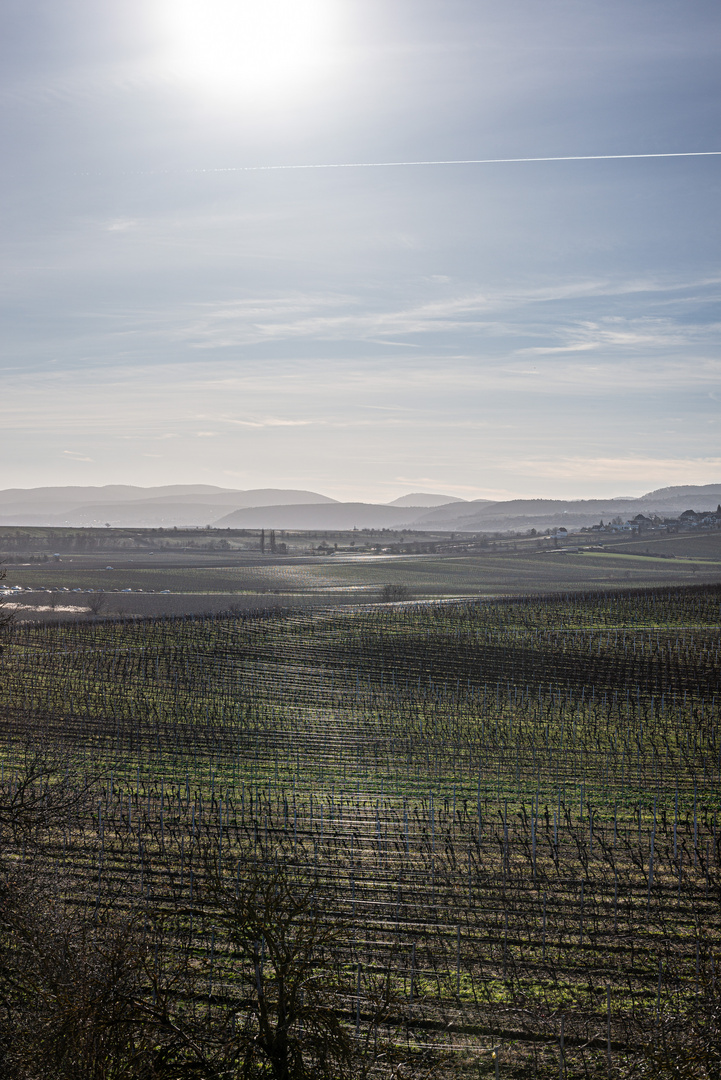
{"x": 506, "y": 814}
{"x": 175, "y": 572}
{"x": 703, "y": 545}
{"x": 180, "y": 581}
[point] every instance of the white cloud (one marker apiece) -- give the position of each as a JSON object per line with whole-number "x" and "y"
{"x": 75, "y": 456}
{"x": 550, "y": 350}
{"x": 648, "y": 471}
{"x": 483, "y": 314}
{"x": 265, "y": 422}
{"x": 122, "y": 225}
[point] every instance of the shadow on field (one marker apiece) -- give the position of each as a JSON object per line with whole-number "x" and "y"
{"x": 37, "y": 607}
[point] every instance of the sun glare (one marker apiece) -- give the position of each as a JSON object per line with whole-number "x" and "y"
{"x": 232, "y": 47}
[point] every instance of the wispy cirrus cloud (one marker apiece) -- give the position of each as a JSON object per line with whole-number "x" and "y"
{"x": 264, "y": 422}
{"x": 631, "y": 334}
{"x": 76, "y": 456}
{"x": 368, "y": 318}
{"x": 553, "y": 350}
{"x": 645, "y": 470}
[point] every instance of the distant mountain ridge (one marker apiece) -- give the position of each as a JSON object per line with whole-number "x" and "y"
{"x": 339, "y": 516}
{"x": 518, "y": 515}
{"x": 199, "y": 505}
{"x": 425, "y": 498}
{"x": 681, "y": 492}
{"x": 124, "y": 505}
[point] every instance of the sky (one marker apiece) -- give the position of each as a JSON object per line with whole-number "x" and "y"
{"x": 182, "y": 302}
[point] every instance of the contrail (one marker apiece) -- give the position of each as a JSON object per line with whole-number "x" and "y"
{"x": 460, "y": 161}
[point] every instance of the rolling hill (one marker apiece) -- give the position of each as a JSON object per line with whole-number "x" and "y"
{"x": 276, "y": 508}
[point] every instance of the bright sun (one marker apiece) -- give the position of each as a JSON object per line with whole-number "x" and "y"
{"x": 233, "y": 47}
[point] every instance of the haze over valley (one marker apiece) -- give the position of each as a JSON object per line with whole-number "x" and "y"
{"x": 204, "y": 505}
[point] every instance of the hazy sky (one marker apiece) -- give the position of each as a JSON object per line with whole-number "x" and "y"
{"x": 547, "y": 328}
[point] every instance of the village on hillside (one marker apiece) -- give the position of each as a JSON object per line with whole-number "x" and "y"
{"x": 685, "y": 522}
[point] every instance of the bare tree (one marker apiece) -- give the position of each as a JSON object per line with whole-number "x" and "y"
{"x": 290, "y": 988}
{"x": 38, "y": 796}
{"x": 393, "y": 593}
{"x": 97, "y": 602}
{"x": 69, "y": 988}
{"x": 65, "y": 980}
{"x": 291, "y": 1003}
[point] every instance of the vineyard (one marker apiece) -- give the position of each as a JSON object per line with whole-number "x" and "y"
{"x": 457, "y": 839}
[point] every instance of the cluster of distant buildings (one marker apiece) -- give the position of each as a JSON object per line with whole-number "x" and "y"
{"x": 685, "y": 522}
